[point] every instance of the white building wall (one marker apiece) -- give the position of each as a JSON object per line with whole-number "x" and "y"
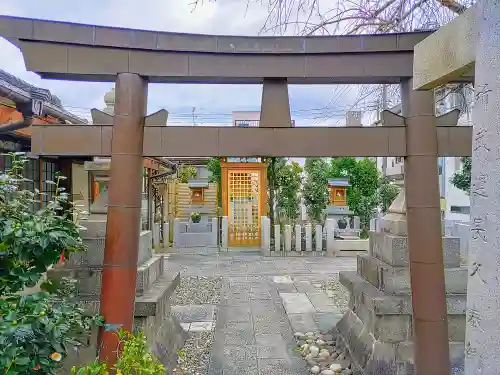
{"x": 246, "y": 116}
{"x": 457, "y": 201}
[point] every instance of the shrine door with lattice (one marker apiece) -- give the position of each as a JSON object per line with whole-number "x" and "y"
{"x": 244, "y": 207}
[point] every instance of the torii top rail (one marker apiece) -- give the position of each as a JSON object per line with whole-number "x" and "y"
{"x": 72, "y": 51}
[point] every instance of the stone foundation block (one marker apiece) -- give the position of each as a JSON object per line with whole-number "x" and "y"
{"x": 152, "y": 315}
{"x": 89, "y": 279}
{"x": 94, "y": 256}
{"x": 371, "y": 356}
{"x": 396, "y": 280}
{"x": 393, "y": 249}
{"x": 362, "y": 292}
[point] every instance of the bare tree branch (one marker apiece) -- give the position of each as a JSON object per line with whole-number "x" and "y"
{"x": 348, "y": 17}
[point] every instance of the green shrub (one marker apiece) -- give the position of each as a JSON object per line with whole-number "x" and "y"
{"x": 36, "y": 330}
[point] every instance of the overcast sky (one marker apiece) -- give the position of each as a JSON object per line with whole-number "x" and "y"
{"x": 310, "y": 105}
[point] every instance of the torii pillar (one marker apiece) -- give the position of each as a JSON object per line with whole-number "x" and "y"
{"x": 124, "y": 211}
{"x": 423, "y": 211}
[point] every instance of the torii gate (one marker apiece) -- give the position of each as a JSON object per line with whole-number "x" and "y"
{"x": 134, "y": 58}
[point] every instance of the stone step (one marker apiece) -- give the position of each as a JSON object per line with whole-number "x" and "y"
{"x": 148, "y": 273}
{"x": 393, "y": 249}
{"x": 385, "y": 304}
{"x": 396, "y": 280}
{"x": 388, "y": 318}
{"x": 89, "y": 279}
{"x": 154, "y": 301}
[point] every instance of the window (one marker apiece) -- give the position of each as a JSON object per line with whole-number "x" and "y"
{"x": 244, "y": 124}
{"x": 460, "y": 210}
{"x": 48, "y": 174}
{"x": 197, "y": 195}
{"x": 32, "y": 173}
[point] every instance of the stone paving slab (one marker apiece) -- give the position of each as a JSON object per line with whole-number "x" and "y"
{"x": 263, "y": 301}
{"x": 303, "y": 323}
{"x": 325, "y": 321}
{"x": 321, "y": 302}
{"x": 194, "y": 313}
{"x": 281, "y": 366}
{"x": 297, "y": 303}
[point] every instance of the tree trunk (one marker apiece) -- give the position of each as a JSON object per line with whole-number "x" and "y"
{"x": 272, "y": 178}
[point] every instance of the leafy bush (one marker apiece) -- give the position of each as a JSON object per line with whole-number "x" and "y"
{"x": 30, "y": 241}
{"x": 186, "y": 172}
{"x": 38, "y": 329}
{"x": 134, "y": 358}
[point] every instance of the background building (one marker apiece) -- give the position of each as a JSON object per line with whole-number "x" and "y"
{"x": 455, "y": 203}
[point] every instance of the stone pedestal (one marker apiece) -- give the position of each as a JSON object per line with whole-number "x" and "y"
{"x": 376, "y": 333}
{"x": 154, "y": 289}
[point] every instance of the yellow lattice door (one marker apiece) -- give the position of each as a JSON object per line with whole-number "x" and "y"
{"x": 244, "y": 207}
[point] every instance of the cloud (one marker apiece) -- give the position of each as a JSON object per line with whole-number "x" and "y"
{"x": 311, "y": 105}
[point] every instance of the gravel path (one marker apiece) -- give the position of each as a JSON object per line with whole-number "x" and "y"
{"x": 336, "y": 291}
{"x": 197, "y": 291}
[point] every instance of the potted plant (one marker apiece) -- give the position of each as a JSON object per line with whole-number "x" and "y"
{"x": 195, "y": 217}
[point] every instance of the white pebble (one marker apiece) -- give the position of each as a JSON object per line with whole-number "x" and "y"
{"x": 314, "y": 350}
{"x": 309, "y": 341}
{"x": 335, "y": 367}
{"x": 298, "y": 334}
{"x": 327, "y": 372}
{"x": 309, "y": 357}
{"x": 320, "y": 342}
{"x": 310, "y": 334}
{"x": 315, "y": 370}
{"x": 305, "y": 348}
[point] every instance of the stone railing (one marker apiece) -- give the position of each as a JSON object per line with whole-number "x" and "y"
{"x": 310, "y": 239}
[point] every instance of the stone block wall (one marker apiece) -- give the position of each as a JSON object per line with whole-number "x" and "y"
{"x": 376, "y": 333}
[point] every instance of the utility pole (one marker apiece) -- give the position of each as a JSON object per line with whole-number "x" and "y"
{"x": 194, "y": 117}
{"x": 384, "y": 106}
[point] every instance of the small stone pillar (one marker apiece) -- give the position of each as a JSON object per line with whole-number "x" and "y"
{"x": 177, "y": 231}
{"x": 156, "y": 235}
{"x": 215, "y": 229}
{"x": 166, "y": 234}
{"x": 298, "y": 237}
{"x": 288, "y": 238}
{"x": 330, "y": 236}
{"x": 277, "y": 237}
{"x": 225, "y": 234}
{"x": 319, "y": 238}
{"x": 266, "y": 236}
{"x": 376, "y": 334}
{"x": 308, "y": 237}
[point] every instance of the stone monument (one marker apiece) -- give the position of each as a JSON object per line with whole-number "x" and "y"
{"x": 483, "y": 298}
{"x": 376, "y": 333}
